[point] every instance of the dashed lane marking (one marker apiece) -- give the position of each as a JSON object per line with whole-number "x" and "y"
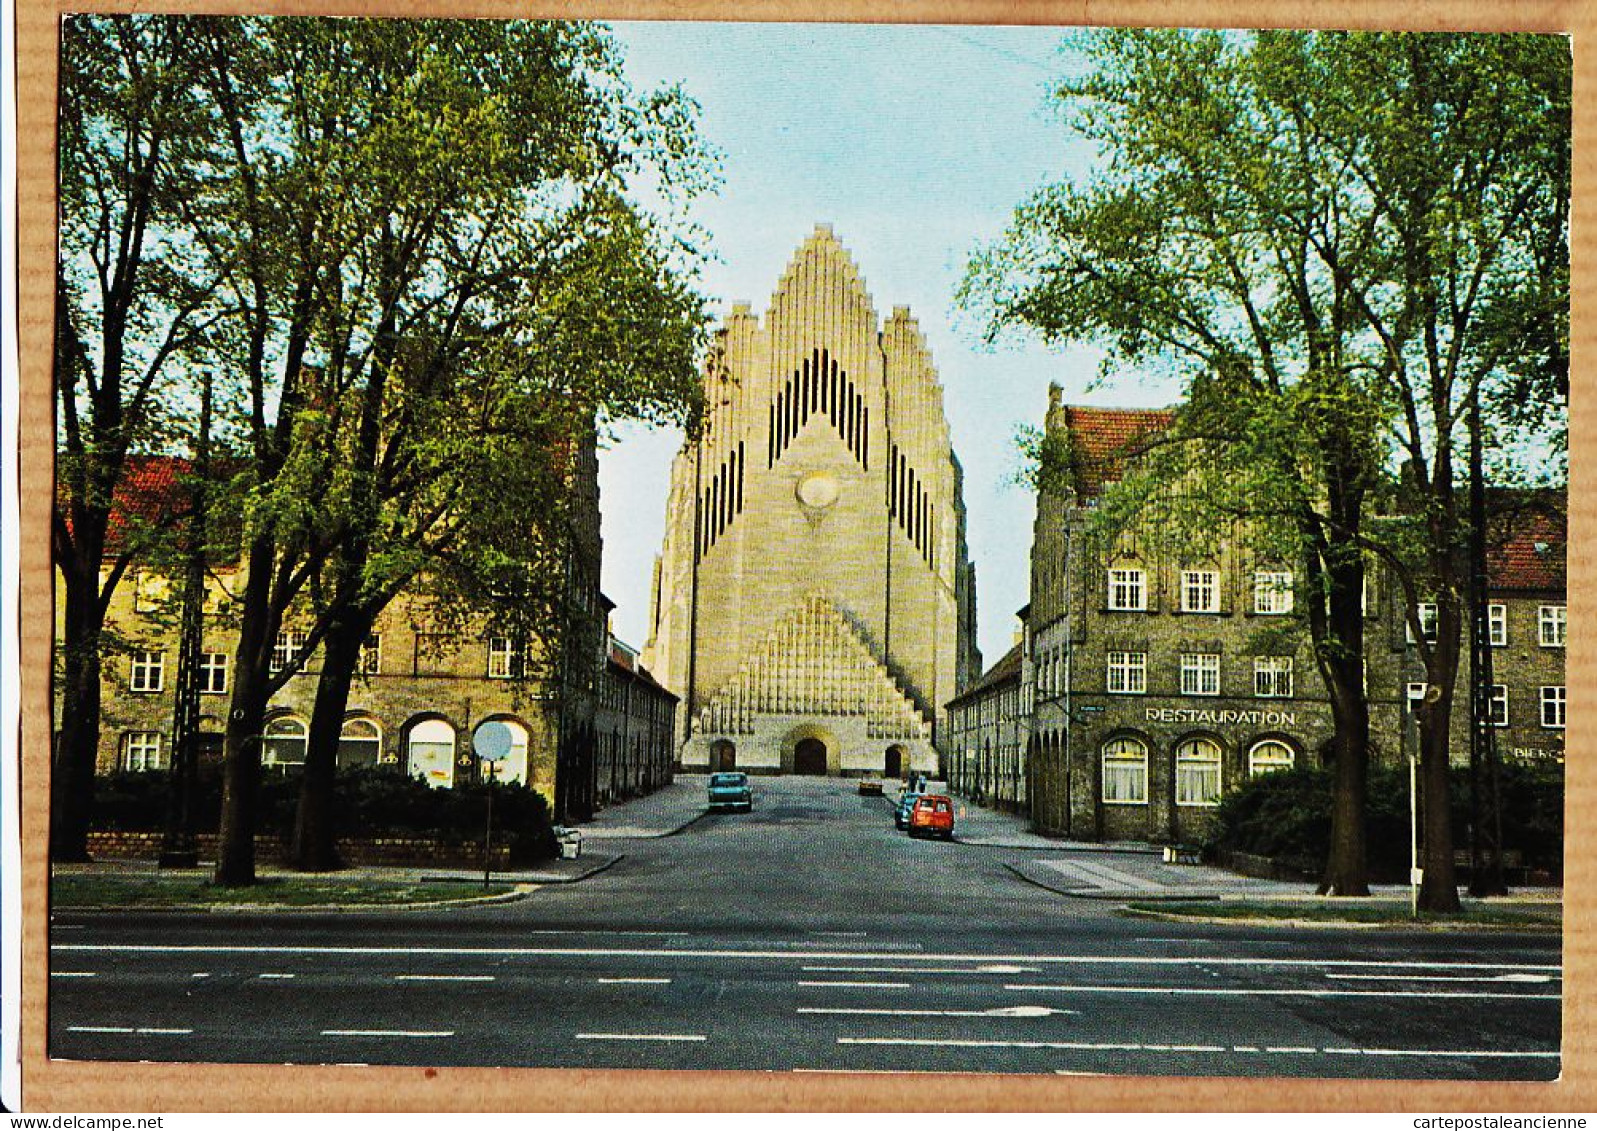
{"x": 1088, "y": 1046}
{"x": 73, "y": 974}
{"x": 634, "y": 981}
{"x": 1002, "y": 968}
{"x": 641, "y": 1037}
{"x": 443, "y": 977}
{"x": 721, "y": 955}
{"x": 1204, "y": 991}
{"x": 388, "y": 1032}
{"x": 279, "y": 976}
{"x": 1001, "y": 1011}
{"x": 142, "y": 1031}
{"x": 865, "y": 985}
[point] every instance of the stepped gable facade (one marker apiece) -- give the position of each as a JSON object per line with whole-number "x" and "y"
{"x": 814, "y": 603}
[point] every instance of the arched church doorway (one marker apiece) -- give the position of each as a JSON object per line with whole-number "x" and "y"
{"x": 893, "y": 764}
{"x": 723, "y": 756}
{"x": 809, "y": 757}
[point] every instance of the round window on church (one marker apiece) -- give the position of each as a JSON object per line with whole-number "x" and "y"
{"x": 818, "y": 490}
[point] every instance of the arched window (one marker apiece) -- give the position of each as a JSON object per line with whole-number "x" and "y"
{"x": 284, "y": 742}
{"x": 360, "y": 744}
{"x": 1125, "y": 772}
{"x": 1198, "y": 772}
{"x": 430, "y": 753}
{"x": 1268, "y": 756}
{"x": 513, "y": 766}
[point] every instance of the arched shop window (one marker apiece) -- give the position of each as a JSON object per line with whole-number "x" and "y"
{"x": 1269, "y": 756}
{"x": 430, "y": 753}
{"x": 1125, "y": 772}
{"x": 284, "y": 744}
{"x": 1198, "y": 772}
{"x": 360, "y": 744}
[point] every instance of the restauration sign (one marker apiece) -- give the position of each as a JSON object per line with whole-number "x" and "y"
{"x": 1222, "y": 718}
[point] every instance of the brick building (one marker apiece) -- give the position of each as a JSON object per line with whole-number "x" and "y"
{"x": 983, "y": 747}
{"x": 813, "y": 602}
{"x": 423, "y": 687}
{"x": 1150, "y": 686}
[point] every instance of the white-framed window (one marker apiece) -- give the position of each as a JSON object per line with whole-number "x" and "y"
{"x": 1553, "y": 620}
{"x": 1128, "y": 590}
{"x": 1269, "y": 756}
{"x": 213, "y": 673}
{"x": 1200, "y": 673}
{"x": 151, "y": 592}
{"x": 1553, "y": 708}
{"x": 1272, "y": 677}
{"x": 147, "y": 671}
{"x": 141, "y": 750}
{"x": 1125, "y": 772}
{"x": 286, "y": 651}
{"x": 1128, "y": 673}
{"x": 370, "y": 661}
{"x": 1497, "y": 625}
{"x": 1416, "y": 695}
{"x": 1272, "y": 592}
{"x": 1427, "y": 614}
{"x": 284, "y": 742}
{"x": 1200, "y": 591}
{"x": 360, "y": 744}
{"x": 1198, "y": 772}
{"x": 1499, "y": 705}
{"x": 502, "y": 658}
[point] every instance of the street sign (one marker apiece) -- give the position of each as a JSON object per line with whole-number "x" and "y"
{"x": 493, "y": 741}
{"x": 1090, "y": 709}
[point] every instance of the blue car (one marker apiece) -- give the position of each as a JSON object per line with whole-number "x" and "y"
{"x": 731, "y": 791}
{"x": 906, "y": 804}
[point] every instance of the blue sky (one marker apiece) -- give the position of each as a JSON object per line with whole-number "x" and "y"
{"x": 915, "y": 143}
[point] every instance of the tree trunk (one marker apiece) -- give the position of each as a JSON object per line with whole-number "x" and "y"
{"x": 1347, "y": 864}
{"x": 77, "y": 749}
{"x": 1439, "y": 887}
{"x": 315, "y": 847}
{"x": 241, "y": 751}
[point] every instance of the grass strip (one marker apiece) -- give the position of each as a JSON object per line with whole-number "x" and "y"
{"x": 169, "y": 890}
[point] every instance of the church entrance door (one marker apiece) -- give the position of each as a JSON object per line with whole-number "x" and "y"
{"x": 809, "y": 757}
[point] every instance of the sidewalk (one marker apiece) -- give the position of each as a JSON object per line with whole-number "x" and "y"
{"x": 667, "y": 810}
{"x": 994, "y": 828}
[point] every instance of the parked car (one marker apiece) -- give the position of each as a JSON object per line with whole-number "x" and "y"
{"x": 731, "y": 791}
{"x": 906, "y": 801}
{"x": 932, "y": 815}
{"x": 870, "y": 787}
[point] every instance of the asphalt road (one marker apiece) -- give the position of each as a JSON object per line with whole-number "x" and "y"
{"x": 807, "y": 935}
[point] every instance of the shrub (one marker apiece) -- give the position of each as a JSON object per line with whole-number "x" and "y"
{"x": 367, "y": 803}
{"x": 1287, "y": 816}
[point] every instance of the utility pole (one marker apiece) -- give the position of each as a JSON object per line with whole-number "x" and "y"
{"x": 1486, "y": 818}
{"x": 179, "y": 848}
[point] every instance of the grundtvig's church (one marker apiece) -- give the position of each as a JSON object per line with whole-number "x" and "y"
{"x": 814, "y": 604}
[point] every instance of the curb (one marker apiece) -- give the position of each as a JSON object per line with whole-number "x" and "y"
{"x": 1337, "y": 924}
{"x": 602, "y": 835}
{"x": 536, "y": 879}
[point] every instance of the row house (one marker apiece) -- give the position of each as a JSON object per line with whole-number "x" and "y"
{"x": 584, "y": 732}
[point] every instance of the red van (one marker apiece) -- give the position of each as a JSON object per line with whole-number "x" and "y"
{"x": 933, "y": 815}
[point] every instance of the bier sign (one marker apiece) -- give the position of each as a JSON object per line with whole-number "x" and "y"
{"x": 1222, "y": 718}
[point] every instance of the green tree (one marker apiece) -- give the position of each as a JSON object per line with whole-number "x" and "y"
{"x": 1330, "y": 236}
{"x": 400, "y": 208}
{"x": 133, "y": 313}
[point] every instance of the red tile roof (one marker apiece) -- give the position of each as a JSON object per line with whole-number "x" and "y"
{"x": 151, "y": 492}
{"x": 1530, "y": 551}
{"x": 1101, "y": 439}
{"x": 1003, "y": 671}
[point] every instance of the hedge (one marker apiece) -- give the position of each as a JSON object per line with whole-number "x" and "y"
{"x": 367, "y": 803}
{"x": 1287, "y": 816}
